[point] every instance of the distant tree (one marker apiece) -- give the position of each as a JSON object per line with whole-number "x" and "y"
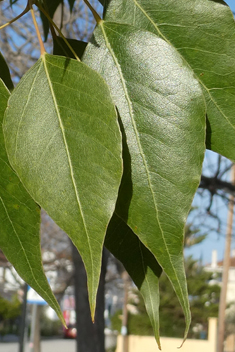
{"x": 203, "y": 297}
{"x": 230, "y": 319}
{"x": 9, "y": 311}
{"x": 204, "y": 302}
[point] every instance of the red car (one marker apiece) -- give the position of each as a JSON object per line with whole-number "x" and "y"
{"x": 71, "y": 332}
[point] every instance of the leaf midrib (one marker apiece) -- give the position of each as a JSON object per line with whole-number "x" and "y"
{"x": 142, "y": 155}
{"x": 183, "y": 58}
{"x": 70, "y": 166}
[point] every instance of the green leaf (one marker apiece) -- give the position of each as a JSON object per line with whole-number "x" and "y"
{"x": 105, "y": 3}
{"x": 61, "y": 48}
{"x": 139, "y": 263}
{"x": 63, "y": 140}
{"x": 5, "y": 73}
{"x": 203, "y": 32}
{"x": 50, "y": 6}
{"x": 20, "y": 223}
{"x": 163, "y": 113}
{"x": 71, "y": 4}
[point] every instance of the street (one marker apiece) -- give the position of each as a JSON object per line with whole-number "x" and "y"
{"x": 58, "y": 345}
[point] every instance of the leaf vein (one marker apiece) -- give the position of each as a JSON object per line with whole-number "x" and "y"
{"x": 168, "y": 41}
{"x": 70, "y": 165}
{"x": 138, "y": 142}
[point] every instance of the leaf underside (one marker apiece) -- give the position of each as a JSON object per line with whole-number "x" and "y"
{"x": 20, "y": 223}
{"x": 63, "y": 140}
{"x": 203, "y": 33}
{"x": 165, "y": 145}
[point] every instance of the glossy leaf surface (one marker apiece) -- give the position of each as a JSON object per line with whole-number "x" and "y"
{"x": 63, "y": 140}
{"x": 139, "y": 263}
{"x": 20, "y": 223}
{"x": 203, "y": 32}
{"x": 163, "y": 115}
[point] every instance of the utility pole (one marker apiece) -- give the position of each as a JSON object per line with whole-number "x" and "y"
{"x": 226, "y": 265}
{"x": 124, "y": 332}
{"x": 23, "y": 320}
{"x": 35, "y": 345}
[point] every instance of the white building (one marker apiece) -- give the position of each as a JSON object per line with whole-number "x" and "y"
{"x": 217, "y": 268}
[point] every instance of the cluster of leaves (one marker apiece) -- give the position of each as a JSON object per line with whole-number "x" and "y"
{"x": 112, "y": 147}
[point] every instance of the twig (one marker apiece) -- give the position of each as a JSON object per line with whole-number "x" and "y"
{"x": 94, "y": 13}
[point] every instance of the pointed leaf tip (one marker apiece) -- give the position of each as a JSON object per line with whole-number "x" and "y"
{"x": 64, "y": 142}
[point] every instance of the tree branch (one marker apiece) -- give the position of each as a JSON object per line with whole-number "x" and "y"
{"x": 213, "y": 184}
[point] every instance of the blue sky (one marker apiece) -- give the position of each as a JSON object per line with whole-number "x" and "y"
{"x": 214, "y": 240}
{"x": 231, "y": 3}
{"x": 215, "y": 230}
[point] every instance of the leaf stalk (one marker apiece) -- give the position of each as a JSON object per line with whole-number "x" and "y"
{"x": 57, "y": 28}
{"x": 94, "y": 13}
{"x": 42, "y": 48}
{"x": 17, "y": 17}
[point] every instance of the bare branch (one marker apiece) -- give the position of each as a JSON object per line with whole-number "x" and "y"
{"x": 213, "y": 184}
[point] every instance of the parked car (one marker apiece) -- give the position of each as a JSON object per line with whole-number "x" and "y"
{"x": 71, "y": 332}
